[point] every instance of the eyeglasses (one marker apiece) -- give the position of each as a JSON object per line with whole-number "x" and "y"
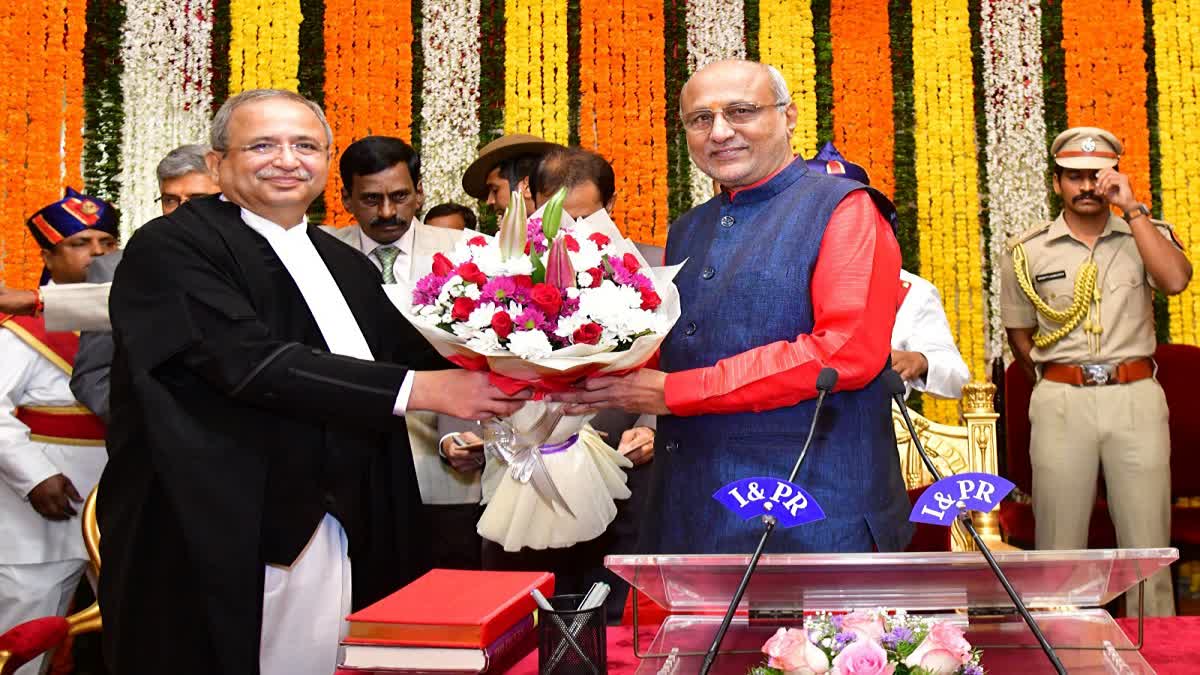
{"x": 735, "y": 114}
{"x": 268, "y": 149}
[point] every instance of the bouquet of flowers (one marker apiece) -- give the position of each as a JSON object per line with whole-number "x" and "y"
{"x": 546, "y": 303}
{"x": 870, "y": 643}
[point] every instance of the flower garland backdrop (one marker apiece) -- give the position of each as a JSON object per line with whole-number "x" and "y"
{"x": 947, "y": 192}
{"x": 450, "y": 94}
{"x": 714, "y": 32}
{"x": 785, "y": 40}
{"x": 264, "y": 38}
{"x": 1177, "y": 57}
{"x": 863, "y": 127}
{"x": 41, "y": 121}
{"x": 1016, "y": 135}
{"x": 535, "y": 69}
{"x": 368, "y": 84}
{"x": 623, "y": 107}
{"x": 167, "y": 52}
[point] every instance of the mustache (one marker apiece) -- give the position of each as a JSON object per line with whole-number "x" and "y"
{"x": 273, "y": 172}
{"x": 394, "y": 221}
{"x": 1086, "y": 195}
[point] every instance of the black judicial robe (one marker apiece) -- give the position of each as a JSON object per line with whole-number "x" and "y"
{"x": 234, "y": 431}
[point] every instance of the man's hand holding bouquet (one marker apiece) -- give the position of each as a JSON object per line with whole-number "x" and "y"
{"x": 546, "y": 304}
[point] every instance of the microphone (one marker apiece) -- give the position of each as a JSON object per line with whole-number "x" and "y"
{"x": 826, "y": 380}
{"x": 895, "y": 385}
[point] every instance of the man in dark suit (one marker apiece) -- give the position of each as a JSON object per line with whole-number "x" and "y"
{"x": 257, "y": 443}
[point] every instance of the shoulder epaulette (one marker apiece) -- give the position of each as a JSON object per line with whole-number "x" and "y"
{"x": 1027, "y": 234}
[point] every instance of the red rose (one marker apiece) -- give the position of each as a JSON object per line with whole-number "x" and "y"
{"x": 462, "y": 309}
{"x": 527, "y": 248}
{"x": 600, "y": 240}
{"x": 477, "y": 241}
{"x": 587, "y": 334}
{"x": 442, "y": 265}
{"x": 630, "y": 262}
{"x": 471, "y": 274}
{"x": 523, "y": 281}
{"x": 502, "y": 323}
{"x": 546, "y": 298}
{"x": 650, "y": 299}
{"x": 597, "y": 276}
{"x": 571, "y": 244}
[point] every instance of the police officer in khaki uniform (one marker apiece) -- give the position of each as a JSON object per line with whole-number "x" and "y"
{"x": 1077, "y": 302}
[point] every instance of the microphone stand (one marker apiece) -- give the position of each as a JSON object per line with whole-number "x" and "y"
{"x": 825, "y": 383}
{"x": 965, "y": 519}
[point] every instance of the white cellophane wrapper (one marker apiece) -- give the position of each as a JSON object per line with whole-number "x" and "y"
{"x": 588, "y": 475}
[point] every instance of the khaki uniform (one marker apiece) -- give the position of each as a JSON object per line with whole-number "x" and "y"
{"x": 1077, "y": 429}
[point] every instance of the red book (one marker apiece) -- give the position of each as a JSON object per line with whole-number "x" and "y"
{"x": 509, "y": 648}
{"x": 450, "y": 608}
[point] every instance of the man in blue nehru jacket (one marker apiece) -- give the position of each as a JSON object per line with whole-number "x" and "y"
{"x": 787, "y": 271}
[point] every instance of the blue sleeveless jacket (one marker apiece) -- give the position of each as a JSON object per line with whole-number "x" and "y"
{"x": 746, "y": 284}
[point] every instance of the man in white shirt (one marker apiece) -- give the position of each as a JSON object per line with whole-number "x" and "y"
{"x": 381, "y": 188}
{"x": 259, "y": 482}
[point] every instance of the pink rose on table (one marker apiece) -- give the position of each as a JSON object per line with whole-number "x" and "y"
{"x": 791, "y": 651}
{"x": 863, "y": 657}
{"x": 944, "y": 650}
{"x": 546, "y": 298}
{"x": 864, "y": 624}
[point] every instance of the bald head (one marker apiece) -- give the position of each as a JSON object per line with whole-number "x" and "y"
{"x": 739, "y": 120}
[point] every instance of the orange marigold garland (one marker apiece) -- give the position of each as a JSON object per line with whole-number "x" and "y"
{"x": 368, "y": 79}
{"x": 863, "y": 127}
{"x": 1106, "y": 78}
{"x": 623, "y": 108}
{"x": 42, "y": 71}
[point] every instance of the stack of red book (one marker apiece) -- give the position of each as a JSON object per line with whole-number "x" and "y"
{"x": 448, "y": 622}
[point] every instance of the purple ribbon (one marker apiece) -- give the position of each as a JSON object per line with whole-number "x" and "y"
{"x": 559, "y": 447}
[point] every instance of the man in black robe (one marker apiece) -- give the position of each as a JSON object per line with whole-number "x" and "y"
{"x": 257, "y": 443}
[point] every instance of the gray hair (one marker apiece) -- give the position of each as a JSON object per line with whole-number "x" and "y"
{"x": 181, "y": 161}
{"x": 779, "y": 86}
{"x": 220, "y": 123}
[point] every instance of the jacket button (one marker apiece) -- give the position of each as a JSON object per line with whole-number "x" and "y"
{"x": 727, "y": 221}
{"x": 671, "y": 446}
{"x": 328, "y": 501}
{"x": 708, "y": 273}
{"x": 690, "y": 329}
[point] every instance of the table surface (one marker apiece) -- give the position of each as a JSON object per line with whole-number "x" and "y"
{"x": 1170, "y": 647}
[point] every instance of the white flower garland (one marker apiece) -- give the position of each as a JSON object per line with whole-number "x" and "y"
{"x": 450, "y": 97}
{"x": 714, "y": 32}
{"x": 1016, "y": 135}
{"x": 166, "y": 48}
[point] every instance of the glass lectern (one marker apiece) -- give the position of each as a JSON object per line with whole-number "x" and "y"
{"x": 1064, "y": 590}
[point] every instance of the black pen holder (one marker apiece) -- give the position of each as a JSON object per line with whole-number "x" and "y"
{"x": 572, "y": 641}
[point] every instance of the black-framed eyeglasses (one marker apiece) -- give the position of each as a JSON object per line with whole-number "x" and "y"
{"x": 735, "y": 114}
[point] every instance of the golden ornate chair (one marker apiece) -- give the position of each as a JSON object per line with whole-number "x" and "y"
{"x": 25, "y": 642}
{"x": 954, "y": 450}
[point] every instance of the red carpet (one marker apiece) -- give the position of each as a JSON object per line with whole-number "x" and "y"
{"x": 1171, "y": 647}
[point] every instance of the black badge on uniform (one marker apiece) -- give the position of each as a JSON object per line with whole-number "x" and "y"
{"x": 1051, "y": 276}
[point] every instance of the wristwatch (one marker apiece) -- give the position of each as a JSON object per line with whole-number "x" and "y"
{"x": 1139, "y": 210}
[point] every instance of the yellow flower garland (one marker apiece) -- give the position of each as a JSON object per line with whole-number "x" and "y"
{"x": 264, "y": 44}
{"x": 1177, "y": 59}
{"x": 785, "y": 40}
{"x": 535, "y": 69}
{"x": 947, "y": 177}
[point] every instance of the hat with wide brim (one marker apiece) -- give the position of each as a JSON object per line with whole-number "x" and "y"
{"x": 474, "y": 180}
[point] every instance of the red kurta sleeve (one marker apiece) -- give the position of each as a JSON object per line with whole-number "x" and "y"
{"x": 854, "y": 288}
